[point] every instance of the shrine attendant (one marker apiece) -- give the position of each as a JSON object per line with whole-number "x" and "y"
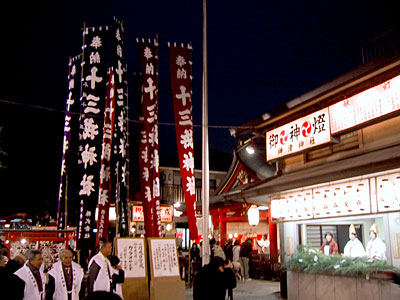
{"x": 99, "y": 273}
{"x": 353, "y": 248}
{"x": 329, "y": 247}
{"x": 32, "y": 277}
{"x": 67, "y": 276}
{"x": 263, "y": 244}
{"x": 376, "y": 248}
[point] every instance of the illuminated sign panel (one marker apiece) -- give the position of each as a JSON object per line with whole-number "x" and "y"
{"x": 304, "y": 133}
{"x": 341, "y": 199}
{"x": 167, "y": 213}
{"x": 365, "y": 106}
{"x": 388, "y": 192}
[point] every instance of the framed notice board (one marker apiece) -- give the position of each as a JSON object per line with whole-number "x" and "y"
{"x": 163, "y": 257}
{"x": 132, "y": 253}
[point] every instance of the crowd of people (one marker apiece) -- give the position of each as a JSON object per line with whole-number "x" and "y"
{"x": 375, "y": 249}
{"x": 24, "y": 278}
{"x": 227, "y": 265}
{"x": 101, "y": 276}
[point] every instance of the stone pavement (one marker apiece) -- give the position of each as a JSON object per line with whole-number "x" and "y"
{"x": 250, "y": 290}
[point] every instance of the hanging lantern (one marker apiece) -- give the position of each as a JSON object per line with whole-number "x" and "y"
{"x": 254, "y": 215}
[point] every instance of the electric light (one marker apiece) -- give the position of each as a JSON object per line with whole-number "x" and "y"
{"x": 250, "y": 149}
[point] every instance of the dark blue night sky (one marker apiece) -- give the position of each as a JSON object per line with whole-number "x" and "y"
{"x": 261, "y": 54}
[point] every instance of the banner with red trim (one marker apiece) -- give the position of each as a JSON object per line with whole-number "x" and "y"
{"x": 148, "y": 149}
{"x": 181, "y": 85}
{"x": 105, "y": 169}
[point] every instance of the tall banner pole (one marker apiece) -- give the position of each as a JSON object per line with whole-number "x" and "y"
{"x": 205, "y": 191}
{"x": 181, "y": 87}
{"x": 93, "y": 99}
{"x": 120, "y": 160}
{"x": 148, "y": 157}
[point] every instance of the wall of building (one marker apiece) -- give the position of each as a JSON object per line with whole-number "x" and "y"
{"x": 376, "y": 136}
{"x": 385, "y": 132}
{"x": 242, "y": 228}
{"x": 290, "y": 240}
{"x": 393, "y": 232}
{"x": 388, "y": 226}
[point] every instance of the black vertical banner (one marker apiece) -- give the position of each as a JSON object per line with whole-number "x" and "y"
{"x": 71, "y": 128}
{"x": 120, "y": 131}
{"x": 94, "y": 79}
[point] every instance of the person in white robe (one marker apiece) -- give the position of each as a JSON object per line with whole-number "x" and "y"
{"x": 100, "y": 272}
{"x": 376, "y": 248}
{"x": 33, "y": 280}
{"x": 118, "y": 275}
{"x": 67, "y": 276}
{"x": 354, "y": 247}
{"x": 263, "y": 245}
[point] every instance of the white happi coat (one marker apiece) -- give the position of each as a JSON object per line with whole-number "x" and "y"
{"x": 31, "y": 291}
{"x": 118, "y": 286}
{"x": 354, "y": 248}
{"x": 60, "y": 292}
{"x": 377, "y": 248}
{"x": 103, "y": 280}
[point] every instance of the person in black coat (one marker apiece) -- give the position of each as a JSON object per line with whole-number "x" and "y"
{"x": 228, "y": 249}
{"x": 212, "y": 281}
{"x": 244, "y": 256}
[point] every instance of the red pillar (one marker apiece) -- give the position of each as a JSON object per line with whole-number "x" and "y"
{"x": 272, "y": 235}
{"x": 222, "y": 226}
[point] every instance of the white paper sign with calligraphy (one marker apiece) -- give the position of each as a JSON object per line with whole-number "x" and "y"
{"x": 132, "y": 255}
{"x": 304, "y": 133}
{"x": 365, "y": 106}
{"x": 340, "y": 199}
{"x": 164, "y": 257}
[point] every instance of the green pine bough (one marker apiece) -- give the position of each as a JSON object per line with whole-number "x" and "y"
{"x": 308, "y": 260}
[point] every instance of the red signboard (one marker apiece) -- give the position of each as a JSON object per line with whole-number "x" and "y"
{"x": 167, "y": 213}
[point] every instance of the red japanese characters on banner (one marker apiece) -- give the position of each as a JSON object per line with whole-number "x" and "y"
{"x": 105, "y": 172}
{"x": 181, "y": 86}
{"x": 148, "y": 149}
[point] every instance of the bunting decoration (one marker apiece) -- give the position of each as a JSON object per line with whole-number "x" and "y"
{"x": 181, "y": 87}
{"x": 94, "y": 77}
{"x": 148, "y": 149}
{"x": 121, "y": 132}
{"x": 105, "y": 171}
{"x": 71, "y": 127}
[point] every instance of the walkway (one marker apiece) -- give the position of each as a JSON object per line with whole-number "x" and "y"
{"x": 250, "y": 290}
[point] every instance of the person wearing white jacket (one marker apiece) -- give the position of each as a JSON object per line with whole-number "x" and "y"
{"x": 376, "y": 248}
{"x": 353, "y": 248}
{"x": 100, "y": 272}
{"x": 67, "y": 276}
{"x": 118, "y": 275}
{"x": 33, "y": 278}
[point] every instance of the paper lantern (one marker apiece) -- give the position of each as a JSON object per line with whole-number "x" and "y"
{"x": 254, "y": 215}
